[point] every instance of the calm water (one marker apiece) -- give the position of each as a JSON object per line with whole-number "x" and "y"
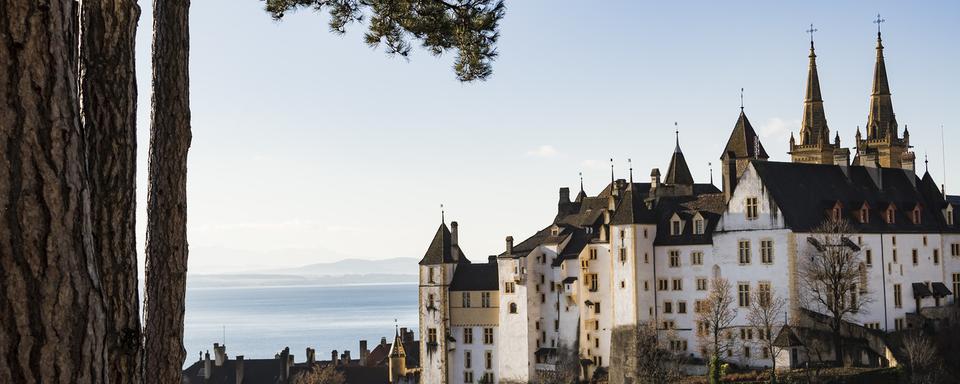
{"x": 261, "y": 321}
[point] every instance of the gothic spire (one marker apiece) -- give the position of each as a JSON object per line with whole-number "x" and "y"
{"x": 813, "y": 127}
{"x": 881, "y": 121}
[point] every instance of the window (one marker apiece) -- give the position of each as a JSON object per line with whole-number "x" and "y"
{"x": 431, "y": 336}
{"x": 955, "y": 249}
{"x": 746, "y": 352}
{"x": 513, "y": 307}
{"x": 488, "y": 360}
{"x": 763, "y": 293}
{"x": 703, "y": 328}
{"x": 752, "y": 208}
{"x": 766, "y": 251}
{"x": 646, "y": 285}
{"x": 696, "y": 257}
{"x": 915, "y": 256}
{"x": 897, "y": 296}
{"x": 868, "y": 255}
{"x": 743, "y": 290}
{"x": 894, "y": 255}
{"x": 890, "y": 215}
{"x": 430, "y": 300}
{"x": 467, "y": 360}
{"x": 468, "y": 337}
{"x": 893, "y": 240}
{"x": 623, "y": 255}
{"x": 590, "y": 281}
{"x": 701, "y": 283}
{"x": 699, "y": 306}
{"x": 872, "y": 325}
{"x": 593, "y": 254}
{"x": 956, "y": 287}
{"x": 466, "y": 299}
{"x": 916, "y": 215}
{"x": 674, "y": 258}
{"x": 837, "y": 211}
{"x": 596, "y": 308}
{"x": 677, "y": 284}
{"x": 898, "y": 324}
{"x": 509, "y": 287}
{"x": 681, "y": 307}
{"x": 744, "y": 252}
{"x": 669, "y": 324}
{"x": 698, "y": 226}
{"x": 746, "y": 333}
{"x": 663, "y": 285}
{"x": 468, "y": 375}
{"x": 936, "y": 257}
{"x": 485, "y": 299}
{"x": 430, "y": 275}
{"x": 924, "y": 240}
{"x": 865, "y": 214}
{"x": 667, "y": 307}
{"x": 646, "y": 258}
{"x": 675, "y": 227}
{"x": 488, "y": 335}
{"x": 949, "y": 215}
{"x": 765, "y": 353}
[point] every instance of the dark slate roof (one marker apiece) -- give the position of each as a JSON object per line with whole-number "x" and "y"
{"x": 677, "y": 171}
{"x": 632, "y": 208}
{"x": 475, "y": 277}
{"x": 267, "y": 371}
{"x": 806, "y": 192}
{"x": 569, "y": 279}
{"x": 441, "y": 250}
{"x": 742, "y": 141}
{"x": 710, "y": 206}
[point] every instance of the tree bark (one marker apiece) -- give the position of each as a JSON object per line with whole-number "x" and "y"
{"x": 108, "y": 98}
{"x": 166, "y": 251}
{"x": 52, "y": 314}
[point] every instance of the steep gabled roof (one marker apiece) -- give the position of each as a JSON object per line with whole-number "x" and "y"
{"x": 678, "y": 172}
{"x": 743, "y": 141}
{"x": 475, "y": 277}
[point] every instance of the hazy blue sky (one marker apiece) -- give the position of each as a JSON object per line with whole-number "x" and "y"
{"x": 312, "y": 147}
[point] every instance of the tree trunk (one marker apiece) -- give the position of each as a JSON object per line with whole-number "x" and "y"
{"x": 52, "y": 314}
{"x": 108, "y": 98}
{"x": 166, "y": 251}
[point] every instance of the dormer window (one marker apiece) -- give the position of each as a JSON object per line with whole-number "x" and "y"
{"x": 698, "y": 225}
{"x": 890, "y": 215}
{"x": 915, "y": 215}
{"x": 837, "y": 211}
{"x": 864, "y": 214}
{"x": 555, "y": 231}
{"x": 676, "y": 226}
{"x": 949, "y": 214}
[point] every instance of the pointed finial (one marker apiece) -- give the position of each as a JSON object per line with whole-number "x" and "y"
{"x": 630, "y": 164}
{"x": 879, "y": 21}
{"x": 581, "y": 181}
{"x": 612, "y": 179}
{"x": 676, "y": 131}
{"x": 926, "y": 162}
{"x": 442, "y": 215}
{"x": 710, "y": 165}
{"x": 741, "y": 99}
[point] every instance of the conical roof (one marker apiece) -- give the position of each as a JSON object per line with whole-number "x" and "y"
{"x": 881, "y": 121}
{"x": 744, "y": 142}
{"x": 439, "y": 251}
{"x": 813, "y": 128}
{"x": 396, "y": 350}
{"x": 678, "y": 172}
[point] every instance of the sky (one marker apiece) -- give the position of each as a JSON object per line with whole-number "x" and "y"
{"x": 312, "y": 147}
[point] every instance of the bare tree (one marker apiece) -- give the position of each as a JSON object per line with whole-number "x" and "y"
{"x": 922, "y": 360}
{"x": 766, "y": 314}
{"x": 714, "y": 318}
{"x": 655, "y": 360}
{"x": 326, "y": 374}
{"x": 566, "y": 363}
{"x": 830, "y": 277}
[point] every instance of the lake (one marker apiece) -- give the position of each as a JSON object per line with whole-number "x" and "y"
{"x": 258, "y": 322}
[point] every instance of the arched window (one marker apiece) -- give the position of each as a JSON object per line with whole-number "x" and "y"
{"x": 513, "y": 307}
{"x": 916, "y": 215}
{"x": 891, "y": 210}
{"x": 865, "y": 214}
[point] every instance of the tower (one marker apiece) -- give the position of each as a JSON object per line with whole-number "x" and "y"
{"x": 742, "y": 147}
{"x": 814, "y": 146}
{"x": 882, "y": 144}
{"x": 398, "y": 359}
{"x": 437, "y": 267}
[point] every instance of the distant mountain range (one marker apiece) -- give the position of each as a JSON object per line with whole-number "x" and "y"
{"x": 348, "y": 271}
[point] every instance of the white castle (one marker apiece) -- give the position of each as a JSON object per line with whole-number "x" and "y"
{"x": 643, "y": 253}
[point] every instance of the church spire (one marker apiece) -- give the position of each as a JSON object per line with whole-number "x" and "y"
{"x": 881, "y": 122}
{"x": 813, "y": 126}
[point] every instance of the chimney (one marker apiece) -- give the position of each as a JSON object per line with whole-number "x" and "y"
{"x": 239, "y": 369}
{"x": 363, "y": 352}
{"x": 285, "y": 365}
{"x": 207, "y": 366}
{"x": 333, "y": 357}
{"x": 492, "y": 259}
{"x": 453, "y": 232}
{"x": 408, "y": 338}
{"x": 564, "y": 195}
{"x": 654, "y": 179}
{"x": 383, "y": 341}
{"x": 311, "y": 356}
{"x": 346, "y": 358}
{"x": 219, "y": 354}
{"x": 509, "y": 245}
